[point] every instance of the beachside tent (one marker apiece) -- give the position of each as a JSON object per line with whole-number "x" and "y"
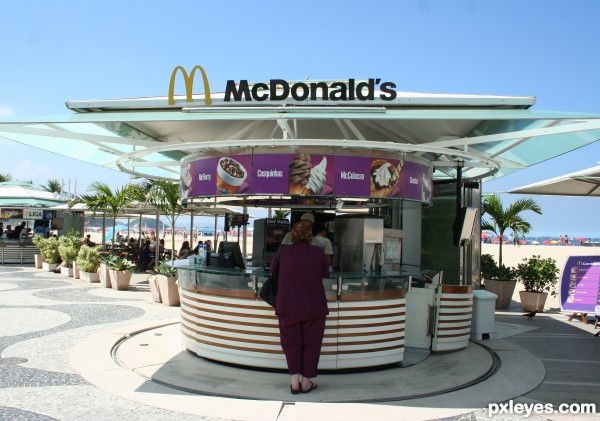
{"x": 21, "y": 194}
{"x": 580, "y": 183}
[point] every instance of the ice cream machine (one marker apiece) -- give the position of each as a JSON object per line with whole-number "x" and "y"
{"x": 365, "y": 246}
{"x": 359, "y": 243}
{"x": 268, "y": 234}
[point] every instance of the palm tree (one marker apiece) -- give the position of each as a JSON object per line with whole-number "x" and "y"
{"x": 281, "y": 214}
{"x": 510, "y": 218}
{"x": 165, "y": 196}
{"x": 5, "y": 177}
{"x": 103, "y": 198}
{"x": 54, "y": 186}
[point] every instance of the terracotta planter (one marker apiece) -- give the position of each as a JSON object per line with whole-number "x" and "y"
{"x": 103, "y": 276}
{"x": 65, "y": 271}
{"x": 154, "y": 289}
{"x": 89, "y": 276}
{"x": 76, "y": 270}
{"x": 49, "y": 267}
{"x": 38, "y": 259}
{"x": 169, "y": 290}
{"x": 503, "y": 289}
{"x": 531, "y": 301}
{"x": 119, "y": 279}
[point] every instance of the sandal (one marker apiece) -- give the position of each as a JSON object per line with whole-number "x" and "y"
{"x": 313, "y": 386}
{"x": 294, "y": 391}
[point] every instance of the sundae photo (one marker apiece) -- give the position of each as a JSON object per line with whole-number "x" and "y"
{"x": 230, "y": 176}
{"x": 306, "y": 179}
{"x": 384, "y": 176}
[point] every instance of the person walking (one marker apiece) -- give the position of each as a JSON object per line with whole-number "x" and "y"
{"x": 301, "y": 305}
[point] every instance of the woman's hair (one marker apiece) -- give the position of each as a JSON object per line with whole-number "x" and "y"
{"x": 302, "y": 232}
{"x": 185, "y": 245}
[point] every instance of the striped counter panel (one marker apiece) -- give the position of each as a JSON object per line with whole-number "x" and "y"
{"x": 246, "y": 332}
{"x": 453, "y": 318}
{"x": 370, "y": 333}
{"x": 14, "y": 253}
{"x": 242, "y": 331}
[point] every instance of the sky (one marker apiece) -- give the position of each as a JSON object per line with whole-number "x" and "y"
{"x": 51, "y": 52}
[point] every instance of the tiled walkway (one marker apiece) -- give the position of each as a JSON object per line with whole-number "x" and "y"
{"x": 57, "y": 333}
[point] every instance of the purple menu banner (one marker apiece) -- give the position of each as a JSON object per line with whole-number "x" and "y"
{"x": 580, "y": 284}
{"x": 306, "y": 175}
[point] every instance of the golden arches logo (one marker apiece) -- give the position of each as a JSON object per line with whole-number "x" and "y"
{"x": 189, "y": 84}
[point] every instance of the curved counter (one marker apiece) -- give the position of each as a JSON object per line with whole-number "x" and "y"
{"x": 17, "y": 251}
{"x": 222, "y": 318}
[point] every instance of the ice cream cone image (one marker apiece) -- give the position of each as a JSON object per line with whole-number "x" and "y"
{"x": 304, "y": 178}
{"x": 230, "y": 175}
{"x": 299, "y": 174}
{"x": 316, "y": 181}
{"x": 384, "y": 176}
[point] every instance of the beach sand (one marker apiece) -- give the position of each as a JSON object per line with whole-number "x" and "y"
{"x": 513, "y": 255}
{"x": 97, "y": 238}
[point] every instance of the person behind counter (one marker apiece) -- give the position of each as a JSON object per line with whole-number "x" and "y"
{"x": 324, "y": 242}
{"x": 16, "y": 234}
{"x": 1, "y": 228}
{"x": 301, "y": 305}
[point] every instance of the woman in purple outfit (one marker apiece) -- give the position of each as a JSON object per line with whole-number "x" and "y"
{"x": 301, "y": 305}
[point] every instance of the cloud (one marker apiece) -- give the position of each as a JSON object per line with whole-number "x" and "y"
{"x": 6, "y": 112}
{"x": 27, "y": 170}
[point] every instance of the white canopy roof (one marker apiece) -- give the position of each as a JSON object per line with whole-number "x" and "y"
{"x": 580, "y": 183}
{"x": 147, "y": 137}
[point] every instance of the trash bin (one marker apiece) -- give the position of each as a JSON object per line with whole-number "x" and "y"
{"x": 484, "y": 308}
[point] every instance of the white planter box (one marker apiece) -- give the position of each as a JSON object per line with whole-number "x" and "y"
{"x": 76, "y": 270}
{"x": 154, "y": 289}
{"x": 49, "y": 267}
{"x": 169, "y": 291}
{"x": 64, "y": 271}
{"x": 103, "y": 276}
{"x": 38, "y": 259}
{"x": 119, "y": 278}
{"x": 89, "y": 276}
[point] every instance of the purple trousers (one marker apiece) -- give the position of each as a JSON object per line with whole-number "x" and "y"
{"x": 301, "y": 339}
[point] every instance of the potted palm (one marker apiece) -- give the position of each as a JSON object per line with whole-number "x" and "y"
{"x": 49, "y": 250}
{"x": 500, "y": 280}
{"x": 539, "y": 277}
{"x": 163, "y": 286}
{"x": 120, "y": 271}
{"x": 501, "y": 219}
{"x": 68, "y": 247}
{"x": 88, "y": 260}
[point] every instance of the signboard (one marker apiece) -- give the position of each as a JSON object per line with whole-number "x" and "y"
{"x": 33, "y": 214}
{"x": 372, "y": 89}
{"x": 6, "y": 213}
{"x": 580, "y": 284}
{"x": 307, "y": 175}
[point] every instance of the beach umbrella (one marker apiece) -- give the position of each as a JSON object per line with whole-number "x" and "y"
{"x": 535, "y": 242}
{"x": 580, "y": 183}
